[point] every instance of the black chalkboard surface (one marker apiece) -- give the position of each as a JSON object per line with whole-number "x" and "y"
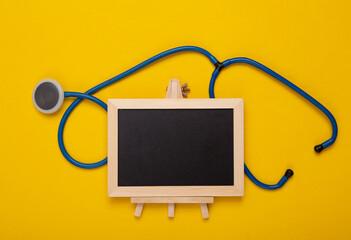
{"x": 175, "y": 147}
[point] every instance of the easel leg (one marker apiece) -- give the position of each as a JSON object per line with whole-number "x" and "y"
{"x": 171, "y": 209}
{"x": 138, "y": 209}
{"x": 204, "y": 210}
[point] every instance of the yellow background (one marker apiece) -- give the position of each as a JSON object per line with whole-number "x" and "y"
{"x": 82, "y": 43}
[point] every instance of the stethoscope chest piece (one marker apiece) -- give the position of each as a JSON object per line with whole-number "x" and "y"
{"x": 48, "y": 96}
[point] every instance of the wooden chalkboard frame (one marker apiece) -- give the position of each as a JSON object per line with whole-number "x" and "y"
{"x": 172, "y": 191}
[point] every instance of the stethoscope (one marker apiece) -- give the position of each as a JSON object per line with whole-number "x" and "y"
{"x": 48, "y": 97}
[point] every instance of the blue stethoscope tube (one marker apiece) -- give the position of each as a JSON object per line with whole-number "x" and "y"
{"x": 219, "y": 66}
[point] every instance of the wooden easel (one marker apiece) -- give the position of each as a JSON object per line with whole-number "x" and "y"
{"x": 174, "y": 91}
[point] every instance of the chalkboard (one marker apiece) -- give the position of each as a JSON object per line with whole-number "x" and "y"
{"x": 175, "y": 147}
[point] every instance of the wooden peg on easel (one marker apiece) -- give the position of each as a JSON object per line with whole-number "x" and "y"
{"x": 171, "y": 209}
{"x": 174, "y": 90}
{"x": 139, "y": 209}
{"x": 204, "y": 210}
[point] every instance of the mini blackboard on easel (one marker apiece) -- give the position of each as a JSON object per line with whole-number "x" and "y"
{"x": 175, "y": 150}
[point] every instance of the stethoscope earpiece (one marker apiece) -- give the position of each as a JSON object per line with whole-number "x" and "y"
{"x": 318, "y": 148}
{"x": 289, "y": 173}
{"x": 48, "y": 96}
